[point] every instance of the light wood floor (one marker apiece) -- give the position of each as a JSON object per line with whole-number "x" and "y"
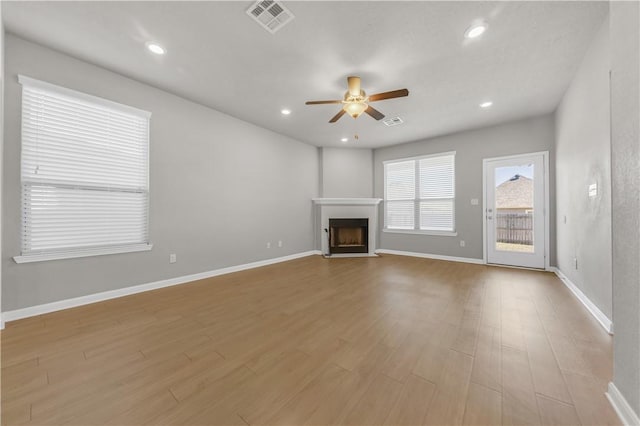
{"x": 391, "y": 340}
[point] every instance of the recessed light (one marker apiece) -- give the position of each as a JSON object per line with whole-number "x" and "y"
{"x": 476, "y": 30}
{"x": 486, "y": 104}
{"x": 156, "y": 48}
{"x": 344, "y": 140}
{"x": 286, "y": 111}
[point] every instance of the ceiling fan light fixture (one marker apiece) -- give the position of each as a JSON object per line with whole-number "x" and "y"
{"x": 356, "y": 101}
{"x": 354, "y": 109}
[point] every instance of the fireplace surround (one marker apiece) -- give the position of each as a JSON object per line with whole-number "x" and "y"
{"x": 346, "y": 208}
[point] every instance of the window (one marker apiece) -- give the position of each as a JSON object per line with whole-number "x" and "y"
{"x": 419, "y": 194}
{"x": 84, "y": 174}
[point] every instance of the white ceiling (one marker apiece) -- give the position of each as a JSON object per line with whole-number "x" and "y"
{"x": 218, "y": 56}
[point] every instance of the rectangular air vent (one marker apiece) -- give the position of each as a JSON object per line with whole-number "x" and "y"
{"x": 393, "y": 121}
{"x": 270, "y": 14}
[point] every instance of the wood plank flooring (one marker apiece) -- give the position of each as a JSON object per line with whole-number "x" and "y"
{"x": 363, "y": 341}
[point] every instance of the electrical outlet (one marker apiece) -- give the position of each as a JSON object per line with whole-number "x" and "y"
{"x": 172, "y": 258}
{"x": 462, "y": 243}
{"x": 280, "y": 243}
{"x": 269, "y": 245}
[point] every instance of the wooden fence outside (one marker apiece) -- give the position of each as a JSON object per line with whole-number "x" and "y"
{"x": 514, "y": 228}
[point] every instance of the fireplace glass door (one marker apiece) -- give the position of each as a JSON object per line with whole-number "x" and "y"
{"x": 348, "y": 235}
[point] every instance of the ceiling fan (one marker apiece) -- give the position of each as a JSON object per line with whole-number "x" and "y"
{"x": 356, "y": 101}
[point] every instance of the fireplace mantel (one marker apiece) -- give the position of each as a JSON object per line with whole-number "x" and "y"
{"x": 347, "y": 201}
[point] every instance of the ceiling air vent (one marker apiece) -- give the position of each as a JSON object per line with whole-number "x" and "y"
{"x": 270, "y": 14}
{"x": 393, "y": 121}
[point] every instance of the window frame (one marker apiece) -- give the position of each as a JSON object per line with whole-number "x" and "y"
{"x": 68, "y": 253}
{"x": 417, "y": 200}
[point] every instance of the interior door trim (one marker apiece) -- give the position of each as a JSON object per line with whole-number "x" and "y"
{"x": 546, "y": 212}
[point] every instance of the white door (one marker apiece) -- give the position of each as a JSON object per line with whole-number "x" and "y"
{"x": 515, "y": 210}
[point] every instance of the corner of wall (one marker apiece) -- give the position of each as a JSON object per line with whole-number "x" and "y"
{"x": 1, "y": 147}
{"x": 320, "y": 172}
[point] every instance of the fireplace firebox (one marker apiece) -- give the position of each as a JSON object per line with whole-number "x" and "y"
{"x": 348, "y": 236}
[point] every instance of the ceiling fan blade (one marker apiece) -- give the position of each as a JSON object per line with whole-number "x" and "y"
{"x": 337, "y": 116}
{"x": 322, "y": 102}
{"x": 354, "y": 85}
{"x": 374, "y": 113}
{"x": 389, "y": 95}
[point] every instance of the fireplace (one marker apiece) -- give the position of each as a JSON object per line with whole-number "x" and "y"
{"x": 348, "y": 235}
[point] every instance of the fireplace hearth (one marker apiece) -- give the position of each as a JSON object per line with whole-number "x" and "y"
{"x": 348, "y": 236}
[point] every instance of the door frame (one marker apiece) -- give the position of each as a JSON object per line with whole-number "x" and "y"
{"x": 545, "y": 162}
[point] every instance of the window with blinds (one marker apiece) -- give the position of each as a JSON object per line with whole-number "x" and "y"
{"x": 84, "y": 174}
{"x": 419, "y": 193}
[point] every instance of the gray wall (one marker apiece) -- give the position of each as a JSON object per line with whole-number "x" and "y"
{"x": 519, "y": 137}
{"x": 1, "y": 147}
{"x": 220, "y": 188}
{"x": 583, "y": 157}
{"x": 625, "y": 165}
{"x": 347, "y": 173}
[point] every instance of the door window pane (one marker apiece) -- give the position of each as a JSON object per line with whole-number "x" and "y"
{"x": 514, "y": 207}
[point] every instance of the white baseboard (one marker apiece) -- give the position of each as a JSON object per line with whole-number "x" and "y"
{"x": 591, "y": 307}
{"x": 431, "y": 256}
{"x": 113, "y": 294}
{"x": 348, "y": 255}
{"x": 622, "y": 407}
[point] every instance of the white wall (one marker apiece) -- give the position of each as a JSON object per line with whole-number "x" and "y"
{"x": 347, "y": 173}
{"x": 517, "y": 137}
{"x": 583, "y": 157}
{"x": 625, "y": 157}
{"x": 220, "y": 188}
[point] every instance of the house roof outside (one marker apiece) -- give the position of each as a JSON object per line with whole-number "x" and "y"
{"x": 515, "y": 193}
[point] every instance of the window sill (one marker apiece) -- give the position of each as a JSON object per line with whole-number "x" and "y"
{"x": 42, "y": 257}
{"x": 420, "y": 232}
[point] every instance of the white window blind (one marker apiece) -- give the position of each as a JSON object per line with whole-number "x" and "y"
{"x": 84, "y": 171}
{"x": 400, "y": 194}
{"x": 420, "y": 193}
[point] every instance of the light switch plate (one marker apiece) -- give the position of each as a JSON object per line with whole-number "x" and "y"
{"x": 593, "y": 190}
